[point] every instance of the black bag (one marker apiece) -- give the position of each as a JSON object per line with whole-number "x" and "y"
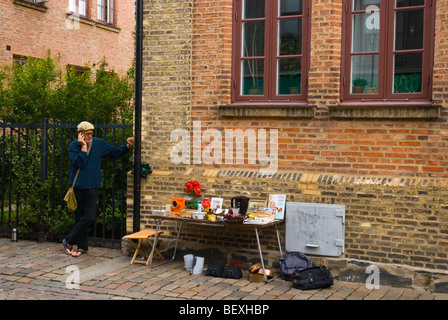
{"x": 232, "y": 272}
{"x": 214, "y": 270}
{"x": 312, "y": 278}
{"x": 291, "y": 262}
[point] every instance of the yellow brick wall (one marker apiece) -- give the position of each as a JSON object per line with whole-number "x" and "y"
{"x": 390, "y": 173}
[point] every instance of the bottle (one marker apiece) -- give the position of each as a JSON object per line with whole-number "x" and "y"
{"x": 14, "y": 235}
{"x": 206, "y": 205}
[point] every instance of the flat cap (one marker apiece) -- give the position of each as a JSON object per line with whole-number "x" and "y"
{"x": 84, "y": 126}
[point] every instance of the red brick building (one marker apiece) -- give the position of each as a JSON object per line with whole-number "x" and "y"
{"x": 81, "y": 32}
{"x": 381, "y": 151}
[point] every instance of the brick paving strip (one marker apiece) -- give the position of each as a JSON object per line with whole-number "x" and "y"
{"x": 38, "y": 271}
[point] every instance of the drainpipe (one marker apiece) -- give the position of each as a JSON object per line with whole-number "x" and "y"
{"x": 138, "y": 113}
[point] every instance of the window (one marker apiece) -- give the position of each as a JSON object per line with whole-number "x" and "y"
{"x": 270, "y": 51}
{"x": 77, "y": 70}
{"x": 106, "y": 11}
{"x": 19, "y": 59}
{"x": 78, "y": 7}
{"x": 388, "y": 51}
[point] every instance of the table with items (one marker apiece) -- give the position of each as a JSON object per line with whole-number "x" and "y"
{"x": 256, "y": 214}
{"x": 254, "y": 225}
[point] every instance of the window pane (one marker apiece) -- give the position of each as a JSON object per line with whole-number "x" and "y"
{"x": 364, "y": 73}
{"x": 290, "y": 37}
{"x": 253, "y": 39}
{"x": 409, "y": 3}
{"x": 366, "y": 32}
{"x": 100, "y": 9}
{"x": 253, "y": 9}
{"x": 252, "y": 77}
{"x": 409, "y": 30}
{"x": 289, "y": 76}
{"x": 72, "y": 5}
{"x": 290, "y": 7}
{"x": 82, "y": 7}
{"x": 408, "y": 72}
{"x": 110, "y": 11}
{"x": 364, "y": 4}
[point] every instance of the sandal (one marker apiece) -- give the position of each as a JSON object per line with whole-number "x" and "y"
{"x": 67, "y": 248}
{"x": 78, "y": 253}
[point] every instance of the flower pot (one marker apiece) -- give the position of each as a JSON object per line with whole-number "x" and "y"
{"x": 357, "y": 89}
{"x": 294, "y": 90}
{"x": 255, "y": 91}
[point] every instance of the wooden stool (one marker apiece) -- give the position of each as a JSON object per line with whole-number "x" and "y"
{"x": 140, "y": 236}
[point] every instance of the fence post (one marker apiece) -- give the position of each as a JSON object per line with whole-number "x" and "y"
{"x": 43, "y": 172}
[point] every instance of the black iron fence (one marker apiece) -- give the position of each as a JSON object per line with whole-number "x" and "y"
{"x": 34, "y": 179}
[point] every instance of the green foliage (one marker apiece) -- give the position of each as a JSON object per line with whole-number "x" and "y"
{"x": 28, "y": 89}
{"x": 111, "y": 220}
{"x": 38, "y": 89}
{"x": 32, "y": 195}
{"x": 408, "y": 83}
{"x": 359, "y": 82}
{"x": 29, "y": 202}
{"x": 60, "y": 222}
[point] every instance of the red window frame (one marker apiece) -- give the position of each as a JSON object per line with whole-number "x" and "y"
{"x": 271, "y": 55}
{"x": 386, "y": 52}
{"x": 107, "y": 9}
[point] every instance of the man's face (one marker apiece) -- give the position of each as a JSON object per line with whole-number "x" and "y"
{"x": 88, "y": 134}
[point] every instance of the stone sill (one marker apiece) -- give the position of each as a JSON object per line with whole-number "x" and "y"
{"x": 399, "y": 111}
{"x": 107, "y": 27}
{"x": 93, "y": 23}
{"x": 31, "y": 5}
{"x": 270, "y": 111}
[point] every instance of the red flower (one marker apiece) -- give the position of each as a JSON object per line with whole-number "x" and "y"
{"x": 193, "y": 186}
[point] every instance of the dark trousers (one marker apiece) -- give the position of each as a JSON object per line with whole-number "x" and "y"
{"x": 84, "y": 216}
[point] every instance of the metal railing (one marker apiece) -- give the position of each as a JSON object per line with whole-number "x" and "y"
{"x": 34, "y": 179}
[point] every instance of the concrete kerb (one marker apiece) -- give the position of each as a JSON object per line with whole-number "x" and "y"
{"x": 352, "y": 270}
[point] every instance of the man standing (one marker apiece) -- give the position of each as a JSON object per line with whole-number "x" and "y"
{"x": 85, "y": 155}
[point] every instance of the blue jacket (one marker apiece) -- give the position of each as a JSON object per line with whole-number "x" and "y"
{"x": 90, "y": 173}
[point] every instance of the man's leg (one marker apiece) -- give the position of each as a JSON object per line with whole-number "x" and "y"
{"x": 85, "y": 215}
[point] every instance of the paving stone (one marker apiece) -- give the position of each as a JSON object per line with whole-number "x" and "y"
{"x": 37, "y": 271}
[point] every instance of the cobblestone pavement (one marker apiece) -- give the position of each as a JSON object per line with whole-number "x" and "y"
{"x": 41, "y": 271}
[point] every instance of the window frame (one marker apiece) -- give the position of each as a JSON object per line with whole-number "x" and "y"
{"x": 108, "y": 11}
{"x": 386, "y": 50}
{"x": 269, "y": 97}
{"x": 76, "y": 2}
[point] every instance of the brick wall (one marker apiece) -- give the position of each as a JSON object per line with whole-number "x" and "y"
{"x": 388, "y": 219}
{"x": 33, "y": 30}
{"x": 388, "y": 166}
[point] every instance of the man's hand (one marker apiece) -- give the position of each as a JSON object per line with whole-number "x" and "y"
{"x": 82, "y": 141}
{"x": 130, "y": 142}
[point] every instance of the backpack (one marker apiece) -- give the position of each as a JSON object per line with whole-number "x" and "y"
{"x": 312, "y": 278}
{"x": 291, "y": 262}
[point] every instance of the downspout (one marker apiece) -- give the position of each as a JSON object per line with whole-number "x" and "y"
{"x": 138, "y": 113}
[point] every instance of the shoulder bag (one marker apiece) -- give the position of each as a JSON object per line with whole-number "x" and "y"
{"x": 70, "y": 197}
